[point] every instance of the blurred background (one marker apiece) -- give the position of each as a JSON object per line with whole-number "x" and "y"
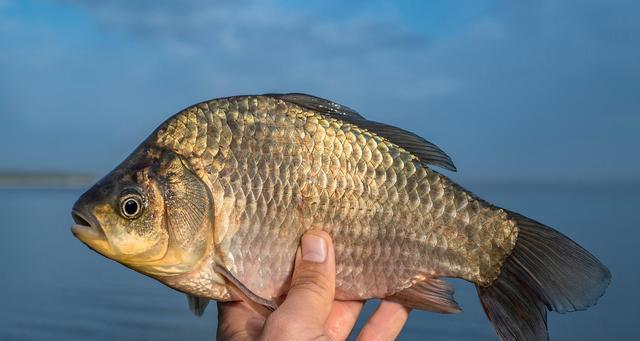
{"x": 537, "y": 102}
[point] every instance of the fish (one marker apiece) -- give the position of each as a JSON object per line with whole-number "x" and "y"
{"x": 214, "y": 203}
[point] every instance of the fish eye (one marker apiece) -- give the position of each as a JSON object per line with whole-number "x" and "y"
{"x": 131, "y": 206}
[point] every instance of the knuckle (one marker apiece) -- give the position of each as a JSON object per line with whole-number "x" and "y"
{"x": 279, "y": 327}
{"x": 313, "y": 281}
{"x": 277, "y": 321}
{"x": 227, "y": 333}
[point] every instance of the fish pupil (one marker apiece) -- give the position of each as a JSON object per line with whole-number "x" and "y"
{"x": 131, "y": 207}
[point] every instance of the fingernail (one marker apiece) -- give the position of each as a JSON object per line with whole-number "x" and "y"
{"x": 314, "y": 249}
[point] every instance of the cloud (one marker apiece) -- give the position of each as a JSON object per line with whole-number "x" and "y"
{"x": 300, "y": 46}
{"x": 249, "y": 23}
{"x": 510, "y": 90}
{"x": 548, "y": 90}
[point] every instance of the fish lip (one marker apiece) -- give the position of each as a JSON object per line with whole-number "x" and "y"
{"x": 86, "y": 227}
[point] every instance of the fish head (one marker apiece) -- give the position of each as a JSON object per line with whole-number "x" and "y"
{"x": 152, "y": 214}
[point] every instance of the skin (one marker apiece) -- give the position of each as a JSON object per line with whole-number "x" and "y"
{"x": 310, "y": 311}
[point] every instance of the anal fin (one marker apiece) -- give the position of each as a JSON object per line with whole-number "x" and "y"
{"x": 431, "y": 294}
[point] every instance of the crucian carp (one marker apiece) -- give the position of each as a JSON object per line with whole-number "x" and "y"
{"x": 215, "y": 201}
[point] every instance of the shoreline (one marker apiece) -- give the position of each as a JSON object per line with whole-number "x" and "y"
{"x": 16, "y": 180}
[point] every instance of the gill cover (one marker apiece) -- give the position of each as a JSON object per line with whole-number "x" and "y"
{"x": 188, "y": 209}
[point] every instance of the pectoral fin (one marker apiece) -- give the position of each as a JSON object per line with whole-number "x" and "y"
{"x": 261, "y": 305}
{"x": 197, "y": 305}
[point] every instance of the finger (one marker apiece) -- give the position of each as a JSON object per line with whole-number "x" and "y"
{"x": 385, "y": 323}
{"x": 237, "y": 322}
{"x": 312, "y": 288}
{"x": 342, "y": 318}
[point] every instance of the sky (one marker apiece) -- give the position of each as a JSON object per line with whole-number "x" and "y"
{"x": 517, "y": 90}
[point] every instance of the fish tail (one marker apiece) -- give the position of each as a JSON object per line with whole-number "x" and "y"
{"x": 545, "y": 271}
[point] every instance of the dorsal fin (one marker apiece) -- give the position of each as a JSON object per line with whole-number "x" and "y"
{"x": 425, "y": 151}
{"x": 321, "y": 105}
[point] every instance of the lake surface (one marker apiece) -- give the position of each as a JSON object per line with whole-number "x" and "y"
{"x": 52, "y": 287}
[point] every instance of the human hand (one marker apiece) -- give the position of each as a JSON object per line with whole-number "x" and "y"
{"x": 310, "y": 312}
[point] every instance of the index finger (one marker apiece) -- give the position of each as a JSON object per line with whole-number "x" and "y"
{"x": 386, "y": 322}
{"x": 342, "y": 318}
{"x": 237, "y": 321}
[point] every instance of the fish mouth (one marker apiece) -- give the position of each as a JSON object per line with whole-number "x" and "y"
{"x": 89, "y": 232}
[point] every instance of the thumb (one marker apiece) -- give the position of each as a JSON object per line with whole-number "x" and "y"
{"x": 312, "y": 288}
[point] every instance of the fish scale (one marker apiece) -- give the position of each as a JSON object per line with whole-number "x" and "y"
{"x": 310, "y": 171}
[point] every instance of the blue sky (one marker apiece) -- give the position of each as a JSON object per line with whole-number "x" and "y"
{"x": 533, "y": 90}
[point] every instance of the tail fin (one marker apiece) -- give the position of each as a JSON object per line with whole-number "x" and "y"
{"x": 546, "y": 270}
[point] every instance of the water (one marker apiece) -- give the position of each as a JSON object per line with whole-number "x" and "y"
{"x": 53, "y": 288}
